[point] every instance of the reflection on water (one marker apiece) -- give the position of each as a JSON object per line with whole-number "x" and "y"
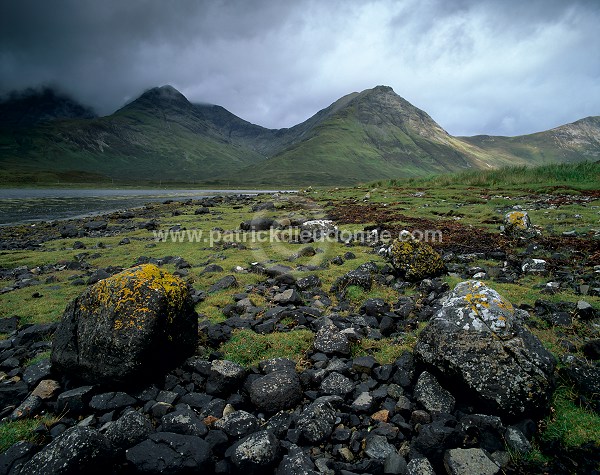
{"x": 21, "y": 205}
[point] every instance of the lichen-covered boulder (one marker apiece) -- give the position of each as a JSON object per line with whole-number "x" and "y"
{"x": 127, "y": 328}
{"x": 415, "y": 260}
{"x": 478, "y": 341}
{"x": 517, "y": 224}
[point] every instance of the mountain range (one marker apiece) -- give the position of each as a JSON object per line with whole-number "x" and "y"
{"x": 161, "y": 137}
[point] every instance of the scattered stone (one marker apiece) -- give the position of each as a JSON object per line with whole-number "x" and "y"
{"x": 184, "y": 422}
{"x": 377, "y": 447}
{"x": 330, "y": 340}
{"x": 337, "y": 384}
{"x": 433, "y": 397}
{"x": 77, "y": 450}
{"x": 316, "y": 421}
{"x": 420, "y": 466}
{"x": 111, "y": 401}
{"x": 238, "y": 424}
{"x": 130, "y": 429}
{"x": 255, "y": 453}
{"x": 164, "y": 452}
{"x": 288, "y": 297}
{"x": 276, "y": 391}
{"x": 225, "y": 377}
{"x": 534, "y": 266}
{"x": 516, "y": 441}
{"x": 46, "y": 389}
{"x": 591, "y": 349}
{"x": 227, "y": 282}
{"x": 468, "y": 462}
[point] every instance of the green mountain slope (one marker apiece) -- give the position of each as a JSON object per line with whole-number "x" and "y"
{"x": 159, "y": 136}
{"x": 162, "y": 137}
{"x": 573, "y": 142}
{"x": 367, "y": 136}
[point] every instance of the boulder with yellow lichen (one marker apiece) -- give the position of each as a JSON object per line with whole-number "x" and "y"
{"x": 478, "y": 341}
{"x": 127, "y": 328}
{"x": 415, "y": 260}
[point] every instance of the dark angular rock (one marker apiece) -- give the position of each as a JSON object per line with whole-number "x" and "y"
{"x": 363, "y": 364}
{"x": 255, "y": 453}
{"x": 196, "y": 400}
{"x": 13, "y": 393}
{"x": 337, "y": 384}
{"x": 34, "y": 333}
{"x": 259, "y": 224}
{"x": 375, "y": 307}
{"x": 377, "y": 447}
{"x": 35, "y": 373}
{"x": 13, "y": 459}
{"x": 330, "y": 340}
{"x": 225, "y": 283}
{"x": 77, "y": 450}
{"x": 168, "y": 453}
{"x": 118, "y": 328}
{"x": 316, "y": 421}
{"x": 277, "y": 364}
{"x": 365, "y": 402}
{"x": 591, "y": 349}
{"x": 75, "y": 400}
{"x": 238, "y": 424}
{"x": 434, "y": 439}
{"x": 296, "y": 462}
{"x": 184, "y": 422}
{"x": 111, "y": 401}
{"x": 212, "y": 268}
{"x": 468, "y": 461}
{"x": 9, "y": 324}
{"x": 130, "y": 429}
{"x": 28, "y": 408}
{"x": 288, "y": 297}
{"x": 420, "y": 466}
{"x": 309, "y": 282}
{"x": 276, "y": 391}
{"x": 97, "y": 276}
{"x": 225, "y": 378}
{"x": 96, "y": 225}
{"x": 433, "y": 397}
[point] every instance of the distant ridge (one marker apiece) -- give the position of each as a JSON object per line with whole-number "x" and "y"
{"x": 162, "y": 137}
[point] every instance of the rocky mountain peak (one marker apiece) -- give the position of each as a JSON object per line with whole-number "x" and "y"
{"x": 165, "y": 97}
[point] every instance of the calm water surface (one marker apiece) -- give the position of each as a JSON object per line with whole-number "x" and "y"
{"x": 24, "y": 205}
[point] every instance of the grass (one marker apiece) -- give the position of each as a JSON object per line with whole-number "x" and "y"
{"x": 385, "y": 351}
{"x": 24, "y": 429}
{"x": 249, "y": 348}
{"x": 37, "y": 358}
{"x": 575, "y": 177}
{"x": 569, "y": 423}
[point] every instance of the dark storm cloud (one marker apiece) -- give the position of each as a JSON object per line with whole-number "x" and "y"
{"x": 476, "y": 66}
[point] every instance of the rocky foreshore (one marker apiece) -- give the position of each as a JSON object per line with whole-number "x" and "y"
{"x": 137, "y": 383}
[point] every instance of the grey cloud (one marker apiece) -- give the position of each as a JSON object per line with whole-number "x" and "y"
{"x": 476, "y": 66}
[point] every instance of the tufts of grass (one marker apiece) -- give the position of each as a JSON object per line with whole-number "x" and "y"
{"x": 249, "y": 348}
{"x": 37, "y": 358}
{"x": 357, "y": 295}
{"x": 385, "y": 351}
{"x": 12, "y": 432}
{"x": 569, "y": 423}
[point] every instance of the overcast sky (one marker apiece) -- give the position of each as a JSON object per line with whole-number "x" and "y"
{"x": 504, "y": 67}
